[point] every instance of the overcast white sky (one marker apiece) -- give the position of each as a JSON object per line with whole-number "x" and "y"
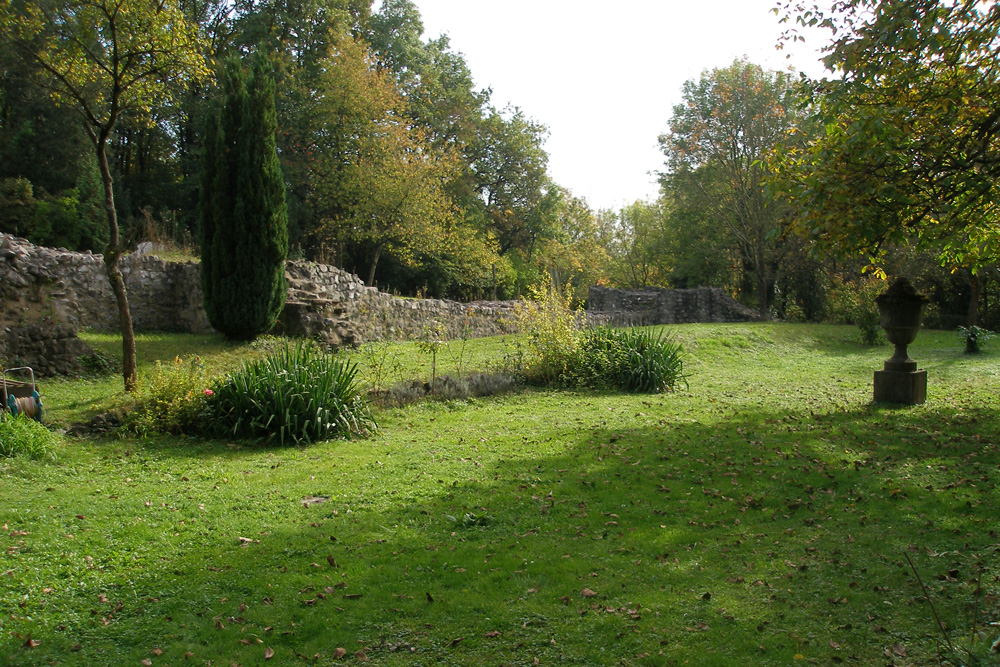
{"x": 604, "y": 76}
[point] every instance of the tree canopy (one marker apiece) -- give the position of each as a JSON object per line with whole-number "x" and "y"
{"x": 729, "y": 120}
{"x": 903, "y": 139}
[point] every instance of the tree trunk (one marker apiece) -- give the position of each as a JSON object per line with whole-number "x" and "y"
{"x": 371, "y": 268}
{"x": 762, "y": 297}
{"x": 976, "y": 283}
{"x": 111, "y": 256}
{"x": 762, "y": 278}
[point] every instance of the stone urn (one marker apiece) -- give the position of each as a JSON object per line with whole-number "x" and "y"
{"x": 900, "y": 309}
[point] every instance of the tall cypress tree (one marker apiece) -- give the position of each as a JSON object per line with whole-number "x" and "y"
{"x": 243, "y": 213}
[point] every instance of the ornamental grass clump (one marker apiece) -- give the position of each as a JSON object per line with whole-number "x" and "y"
{"x": 21, "y": 436}
{"x": 298, "y": 394}
{"x": 634, "y": 360}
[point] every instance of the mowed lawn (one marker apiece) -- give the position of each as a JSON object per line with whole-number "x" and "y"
{"x": 766, "y": 514}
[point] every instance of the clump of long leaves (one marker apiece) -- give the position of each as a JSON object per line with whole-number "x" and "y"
{"x": 293, "y": 395}
{"x": 635, "y": 360}
{"x": 23, "y": 436}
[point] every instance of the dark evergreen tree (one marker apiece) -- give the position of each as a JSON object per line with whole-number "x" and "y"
{"x": 243, "y": 213}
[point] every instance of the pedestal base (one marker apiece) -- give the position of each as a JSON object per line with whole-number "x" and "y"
{"x": 901, "y": 387}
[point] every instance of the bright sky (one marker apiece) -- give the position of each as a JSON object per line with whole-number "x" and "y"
{"x": 604, "y": 76}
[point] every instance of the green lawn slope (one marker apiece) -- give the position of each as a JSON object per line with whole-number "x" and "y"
{"x": 766, "y": 515}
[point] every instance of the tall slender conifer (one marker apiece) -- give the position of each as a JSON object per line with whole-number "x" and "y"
{"x": 243, "y": 212}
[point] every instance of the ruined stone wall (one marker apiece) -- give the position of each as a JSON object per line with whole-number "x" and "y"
{"x": 657, "y": 305}
{"x": 374, "y": 315}
{"x": 72, "y": 288}
{"x": 59, "y": 287}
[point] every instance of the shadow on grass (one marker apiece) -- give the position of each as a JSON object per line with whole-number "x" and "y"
{"x": 586, "y": 539}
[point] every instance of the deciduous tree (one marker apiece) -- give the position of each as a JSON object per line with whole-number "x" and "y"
{"x": 106, "y": 58}
{"x": 730, "y": 119}
{"x": 908, "y": 147}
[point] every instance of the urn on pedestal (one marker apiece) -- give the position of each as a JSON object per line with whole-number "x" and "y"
{"x": 900, "y": 308}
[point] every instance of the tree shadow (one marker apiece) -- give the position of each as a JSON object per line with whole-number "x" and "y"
{"x": 590, "y": 540}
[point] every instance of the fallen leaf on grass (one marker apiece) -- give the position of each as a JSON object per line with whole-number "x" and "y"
{"x": 157, "y": 652}
{"x": 31, "y": 643}
{"x": 147, "y": 662}
{"x": 361, "y": 656}
{"x": 332, "y": 561}
{"x": 268, "y": 653}
{"x": 188, "y": 655}
{"x": 587, "y": 593}
{"x": 493, "y": 633}
{"x": 339, "y": 653}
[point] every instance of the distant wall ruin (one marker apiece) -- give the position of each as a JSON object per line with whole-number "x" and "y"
{"x": 657, "y": 305}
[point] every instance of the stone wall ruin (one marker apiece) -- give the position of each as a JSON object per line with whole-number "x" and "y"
{"x": 58, "y": 291}
{"x": 657, "y": 305}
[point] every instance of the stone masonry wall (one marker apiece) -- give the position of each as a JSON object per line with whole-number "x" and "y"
{"x": 69, "y": 288}
{"x": 665, "y": 306}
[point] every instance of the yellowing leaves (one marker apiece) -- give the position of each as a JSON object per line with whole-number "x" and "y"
{"x": 106, "y": 57}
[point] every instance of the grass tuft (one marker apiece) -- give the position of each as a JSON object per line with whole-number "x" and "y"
{"x": 296, "y": 394}
{"x": 21, "y": 436}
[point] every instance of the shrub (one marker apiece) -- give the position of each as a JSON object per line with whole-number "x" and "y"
{"x": 552, "y": 338}
{"x": 854, "y": 303}
{"x": 23, "y": 436}
{"x": 296, "y": 394}
{"x": 974, "y": 337}
{"x": 99, "y": 364}
{"x": 172, "y": 400}
{"x": 431, "y": 341}
{"x": 382, "y": 361}
{"x": 636, "y": 360}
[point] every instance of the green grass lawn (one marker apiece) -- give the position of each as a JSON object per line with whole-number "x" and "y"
{"x": 762, "y": 516}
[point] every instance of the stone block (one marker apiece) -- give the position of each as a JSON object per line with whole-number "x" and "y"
{"x": 909, "y": 388}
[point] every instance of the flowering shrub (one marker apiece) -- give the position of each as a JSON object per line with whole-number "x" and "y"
{"x": 172, "y": 400}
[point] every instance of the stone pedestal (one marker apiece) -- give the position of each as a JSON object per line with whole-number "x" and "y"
{"x": 900, "y": 309}
{"x": 909, "y": 387}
